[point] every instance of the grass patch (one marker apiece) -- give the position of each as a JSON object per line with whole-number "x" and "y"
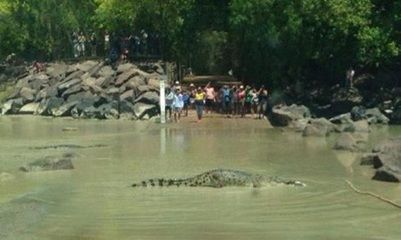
{"x": 6, "y": 89}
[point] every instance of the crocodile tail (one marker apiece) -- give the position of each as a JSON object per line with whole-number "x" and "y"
{"x": 161, "y": 182}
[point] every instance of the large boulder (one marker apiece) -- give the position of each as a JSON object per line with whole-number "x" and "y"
{"x": 149, "y": 97}
{"x": 135, "y": 82}
{"x": 87, "y": 66}
{"x": 125, "y": 67}
{"x": 12, "y": 106}
{"x": 140, "y": 109}
{"x": 65, "y": 109}
{"x": 283, "y": 116}
{"x": 109, "y": 110}
{"x": 67, "y": 85}
{"x": 29, "y": 108}
{"x": 123, "y": 77}
{"x": 373, "y": 115}
{"x": 48, "y": 106}
{"x": 386, "y": 159}
{"x": 57, "y": 70}
{"x": 27, "y": 94}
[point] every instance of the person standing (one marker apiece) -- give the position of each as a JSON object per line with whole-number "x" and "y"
{"x": 199, "y": 102}
{"x": 350, "y": 77}
{"x": 210, "y": 97}
{"x": 106, "y": 43}
{"x": 226, "y": 99}
{"x": 234, "y": 100}
{"x": 178, "y": 105}
{"x": 169, "y": 101}
{"x": 185, "y": 98}
{"x": 263, "y": 100}
{"x": 81, "y": 44}
{"x": 241, "y": 97}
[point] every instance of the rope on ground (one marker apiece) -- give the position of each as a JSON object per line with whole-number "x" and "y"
{"x": 372, "y": 195}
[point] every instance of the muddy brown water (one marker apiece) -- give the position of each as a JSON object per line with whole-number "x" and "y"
{"x": 95, "y": 200}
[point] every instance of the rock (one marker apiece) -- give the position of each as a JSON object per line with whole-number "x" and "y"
{"x": 65, "y": 109}
{"x": 387, "y": 160}
{"x": 109, "y": 110}
{"x": 87, "y": 66}
{"x": 127, "y": 116}
{"x": 319, "y": 128}
{"x": 122, "y": 78}
{"x": 87, "y": 103}
{"x": 72, "y": 90}
{"x": 113, "y": 91}
{"x": 5, "y": 177}
{"x": 12, "y": 106}
{"x": 39, "y": 82}
{"x": 347, "y": 142}
{"x": 49, "y": 164}
{"x": 154, "y": 83}
{"x": 135, "y": 82}
{"x": 48, "y": 92}
{"x": 369, "y": 159}
{"x": 106, "y": 72}
{"x": 91, "y": 112}
{"x": 284, "y": 115}
{"x": 344, "y": 99}
{"x": 126, "y": 107}
{"x": 143, "y": 88}
{"x": 74, "y": 75}
{"x": 140, "y": 109}
{"x": 69, "y": 84}
{"x": 125, "y": 67}
{"x": 48, "y": 106}
{"x": 374, "y": 116}
{"x": 358, "y": 113}
{"x": 27, "y": 94}
{"x": 128, "y": 96}
{"x": 149, "y": 97}
{"x": 57, "y": 70}
{"x": 29, "y": 108}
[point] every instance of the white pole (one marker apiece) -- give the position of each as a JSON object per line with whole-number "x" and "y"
{"x": 163, "y": 99}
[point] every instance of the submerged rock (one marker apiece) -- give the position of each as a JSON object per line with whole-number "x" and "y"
{"x": 347, "y": 142}
{"x": 5, "y": 177}
{"x": 49, "y": 164}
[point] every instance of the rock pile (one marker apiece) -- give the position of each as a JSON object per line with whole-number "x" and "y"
{"x": 89, "y": 89}
{"x": 386, "y": 159}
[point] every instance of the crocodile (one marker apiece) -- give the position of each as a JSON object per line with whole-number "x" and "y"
{"x": 219, "y": 178}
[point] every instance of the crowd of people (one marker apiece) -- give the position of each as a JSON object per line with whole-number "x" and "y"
{"x": 228, "y": 100}
{"x": 116, "y": 46}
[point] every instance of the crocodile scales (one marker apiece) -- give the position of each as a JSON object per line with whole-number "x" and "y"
{"x": 219, "y": 178}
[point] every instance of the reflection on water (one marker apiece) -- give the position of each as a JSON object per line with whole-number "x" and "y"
{"x": 95, "y": 201}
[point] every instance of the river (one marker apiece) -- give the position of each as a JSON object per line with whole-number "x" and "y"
{"x": 95, "y": 200}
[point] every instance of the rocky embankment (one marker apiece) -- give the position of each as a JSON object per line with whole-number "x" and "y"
{"x": 90, "y": 89}
{"x": 352, "y": 131}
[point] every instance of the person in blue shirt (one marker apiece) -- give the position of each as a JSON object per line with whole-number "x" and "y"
{"x": 178, "y": 104}
{"x": 185, "y": 98}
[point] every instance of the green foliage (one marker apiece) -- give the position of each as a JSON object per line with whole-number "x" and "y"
{"x": 264, "y": 41}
